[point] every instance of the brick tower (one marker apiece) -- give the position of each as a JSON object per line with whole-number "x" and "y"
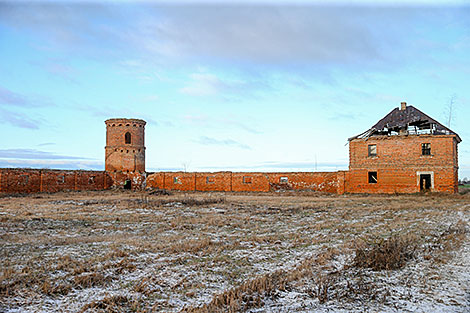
{"x": 125, "y": 152}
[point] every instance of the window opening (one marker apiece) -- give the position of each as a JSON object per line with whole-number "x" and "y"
{"x": 372, "y": 177}
{"x": 176, "y": 180}
{"x": 372, "y": 150}
{"x": 210, "y": 179}
{"x": 284, "y": 180}
{"x": 61, "y": 179}
{"x": 127, "y": 138}
{"x": 128, "y": 184}
{"x": 247, "y": 179}
{"x": 24, "y": 180}
{"x": 91, "y": 180}
{"x": 426, "y": 149}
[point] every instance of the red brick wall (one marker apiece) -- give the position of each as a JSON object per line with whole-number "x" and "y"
{"x": 243, "y": 181}
{"x": 119, "y": 178}
{"x": 398, "y": 163}
{"x": 180, "y": 181}
{"x": 219, "y": 181}
{"x": 33, "y": 180}
{"x": 250, "y": 181}
{"x": 319, "y": 181}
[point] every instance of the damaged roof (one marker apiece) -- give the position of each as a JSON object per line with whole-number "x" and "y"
{"x": 408, "y": 119}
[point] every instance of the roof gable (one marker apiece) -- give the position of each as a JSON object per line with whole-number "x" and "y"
{"x": 399, "y": 120}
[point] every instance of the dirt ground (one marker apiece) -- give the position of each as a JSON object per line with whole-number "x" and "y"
{"x": 115, "y": 251}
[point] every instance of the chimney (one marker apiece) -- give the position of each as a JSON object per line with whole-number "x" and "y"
{"x": 403, "y": 106}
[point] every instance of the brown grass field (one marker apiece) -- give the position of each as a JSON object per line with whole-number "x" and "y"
{"x": 115, "y": 251}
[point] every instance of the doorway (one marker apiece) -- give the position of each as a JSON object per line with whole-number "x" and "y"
{"x": 128, "y": 184}
{"x": 425, "y": 182}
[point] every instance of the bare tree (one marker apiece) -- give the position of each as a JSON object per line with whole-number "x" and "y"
{"x": 449, "y": 109}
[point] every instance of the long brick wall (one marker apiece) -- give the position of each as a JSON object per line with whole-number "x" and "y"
{"x": 247, "y": 181}
{"x": 18, "y": 180}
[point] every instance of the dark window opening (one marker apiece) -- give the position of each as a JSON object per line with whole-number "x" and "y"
{"x": 372, "y": 150}
{"x": 247, "y": 179}
{"x": 425, "y": 182}
{"x": 127, "y": 138}
{"x": 372, "y": 177}
{"x": 91, "y": 180}
{"x": 210, "y": 180}
{"x": 24, "y": 179}
{"x": 128, "y": 184}
{"x": 176, "y": 180}
{"x": 426, "y": 149}
{"x": 61, "y": 179}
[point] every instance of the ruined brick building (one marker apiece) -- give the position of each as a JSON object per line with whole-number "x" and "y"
{"x": 405, "y": 152}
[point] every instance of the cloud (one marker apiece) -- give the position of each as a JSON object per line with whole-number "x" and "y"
{"x": 207, "y": 84}
{"x": 52, "y": 164}
{"x": 204, "y": 85}
{"x": 33, "y": 154}
{"x": 208, "y": 141}
{"x": 19, "y": 119}
{"x": 283, "y": 166}
{"x": 8, "y": 97}
{"x": 217, "y": 122}
{"x": 319, "y": 35}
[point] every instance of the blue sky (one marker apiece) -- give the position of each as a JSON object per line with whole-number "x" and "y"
{"x": 247, "y": 85}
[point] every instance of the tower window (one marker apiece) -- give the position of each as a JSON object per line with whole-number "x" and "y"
{"x": 177, "y": 180}
{"x": 372, "y": 177}
{"x": 372, "y": 150}
{"x": 284, "y": 179}
{"x": 127, "y": 138}
{"x": 247, "y": 179}
{"x": 426, "y": 149}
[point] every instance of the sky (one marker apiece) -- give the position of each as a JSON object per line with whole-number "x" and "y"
{"x": 225, "y": 85}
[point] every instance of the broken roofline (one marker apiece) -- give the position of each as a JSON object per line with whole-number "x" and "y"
{"x": 401, "y": 119}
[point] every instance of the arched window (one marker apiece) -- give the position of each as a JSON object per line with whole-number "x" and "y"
{"x": 127, "y": 138}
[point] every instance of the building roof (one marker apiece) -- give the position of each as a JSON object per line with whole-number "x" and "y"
{"x": 408, "y": 120}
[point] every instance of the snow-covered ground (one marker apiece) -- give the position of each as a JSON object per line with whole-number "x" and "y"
{"x": 116, "y": 251}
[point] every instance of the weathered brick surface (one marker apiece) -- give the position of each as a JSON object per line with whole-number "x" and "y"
{"x": 318, "y": 181}
{"x": 250, "y": 181}
{"x": 119, "y": 178}
{"x": 33, "y": 180}
{"x": 243, "y": 181}
{"x": 399, "y": 162}
{"x": 125, "y": 157}
{"x": 219, "y": 181}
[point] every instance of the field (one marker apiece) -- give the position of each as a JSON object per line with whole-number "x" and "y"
{"x": 113, "y": 251}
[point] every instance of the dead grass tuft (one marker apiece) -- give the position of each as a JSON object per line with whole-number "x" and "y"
{"x": 88, "y": 280}
{"x": 112, "y": 304}
{"x": 386, "y": 254}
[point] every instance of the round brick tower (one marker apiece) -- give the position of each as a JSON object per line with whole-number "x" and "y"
{"x": 125, "y": 152}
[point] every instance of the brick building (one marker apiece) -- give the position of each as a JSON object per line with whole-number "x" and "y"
{"x": 405, "y": 152}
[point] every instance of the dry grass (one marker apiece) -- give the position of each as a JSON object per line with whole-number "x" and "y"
{"x": 386, "y": 253}
{"x": 209, "y": 252}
